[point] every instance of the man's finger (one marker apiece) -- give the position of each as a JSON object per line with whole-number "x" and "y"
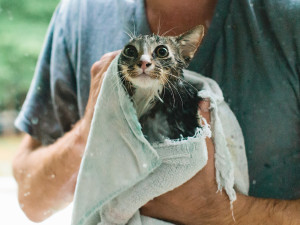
{"x": 204, "y": 109}
{"x": 104, "y": 62}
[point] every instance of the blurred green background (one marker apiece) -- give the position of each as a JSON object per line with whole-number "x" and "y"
{"x": 23, "y": 25}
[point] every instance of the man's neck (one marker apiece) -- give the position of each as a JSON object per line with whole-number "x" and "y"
{"x": 177, "y": 16}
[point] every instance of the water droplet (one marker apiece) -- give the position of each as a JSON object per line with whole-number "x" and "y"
{"x": 53, "y": 176}
{"x": 254, "y": 182}
{"x": 34, "y": 120}
{"x": 26, "y": 194}
{"x": 47, "y": 212}
{"x": 145, "y": 165}
{"x": 28, "y": 175}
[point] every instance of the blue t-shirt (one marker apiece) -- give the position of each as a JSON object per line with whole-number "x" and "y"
{"x": 252, "y": 49}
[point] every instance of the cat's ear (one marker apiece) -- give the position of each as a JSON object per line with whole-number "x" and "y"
{"x": 190, "y": 41}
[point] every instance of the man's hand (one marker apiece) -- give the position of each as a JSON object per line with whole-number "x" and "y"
{"x": 46, "y": 175}
{"x": 196, "y": 201}
{"x": 97, "y": 75}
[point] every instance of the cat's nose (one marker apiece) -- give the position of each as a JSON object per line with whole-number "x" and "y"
{"x": 144, "y": 64}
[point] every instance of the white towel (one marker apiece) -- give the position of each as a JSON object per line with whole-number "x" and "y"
{"x": 121, "y": 171}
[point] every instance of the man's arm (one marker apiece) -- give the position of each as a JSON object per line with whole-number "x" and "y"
{"x": 196, "y": 201}
{"x": 267, "y": 211}
{"x": 46, "y": 175}
{"x": 182, "y": 206}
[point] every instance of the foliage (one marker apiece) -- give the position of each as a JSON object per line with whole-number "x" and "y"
{"x": 23, "y": 24}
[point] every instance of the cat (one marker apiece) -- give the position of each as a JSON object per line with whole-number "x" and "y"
{"x": 151, "y": 70}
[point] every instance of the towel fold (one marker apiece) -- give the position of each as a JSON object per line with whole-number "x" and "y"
{"x": 121, "y": 171}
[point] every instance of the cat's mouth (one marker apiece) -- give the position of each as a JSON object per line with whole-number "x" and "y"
{"x": 144, "y": 80}
{"x": 144, "y": 75}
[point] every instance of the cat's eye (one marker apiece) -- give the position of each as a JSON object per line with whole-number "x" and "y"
{"x": 161, "y": 51}
{"x": 130, "y": 51}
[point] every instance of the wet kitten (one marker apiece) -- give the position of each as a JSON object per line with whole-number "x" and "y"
{"x": 150, "y": 67}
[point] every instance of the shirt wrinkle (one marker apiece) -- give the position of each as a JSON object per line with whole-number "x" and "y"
{"x": 258, "y": 71}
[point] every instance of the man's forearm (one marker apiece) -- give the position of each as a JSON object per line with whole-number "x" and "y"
{"x": 186, "y": 208}
{"x": 46, "y": 175}
{"x": 250, "y": 210}
{"x": 246, "y": 211}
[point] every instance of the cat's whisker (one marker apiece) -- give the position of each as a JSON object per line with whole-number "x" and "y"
{"x": 163, "y": 93}
{"x": 134, "y": 30}
{"x": 185, "y": 89}
{"x": 159, "y": 26}
{"x": 178, "y": 93}
{"x": 123, "y": 79}
{"x": 183, "y": 80}
{"x": 165, "y": 81}
{"x": 170, "y": 89}
{"x": 190, "y": 44}
{"x": 129, "y": 32}
{"x": 180, "y": 79}
{"x": 116, "y": 83}
{"x": 156, "y": 93}
{"x": 114, "y": 86}
{"x": 126, "y": 64}
{"x": 169, "y": 31}
{"x": 131, "y": 37}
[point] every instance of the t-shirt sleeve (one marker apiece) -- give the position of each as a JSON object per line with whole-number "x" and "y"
{"x": 50, "y": 108}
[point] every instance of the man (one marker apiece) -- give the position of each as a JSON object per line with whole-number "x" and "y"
{"x": 251, "y": 49}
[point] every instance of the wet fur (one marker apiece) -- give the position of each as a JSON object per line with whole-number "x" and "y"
{"x": 180, "y": 108}
{"x": 172, "y": 112}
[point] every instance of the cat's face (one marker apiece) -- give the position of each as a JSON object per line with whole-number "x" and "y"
{"x": 152, "y": 60}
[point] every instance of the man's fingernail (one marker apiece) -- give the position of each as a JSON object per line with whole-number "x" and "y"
{"x": 204, "y": 105}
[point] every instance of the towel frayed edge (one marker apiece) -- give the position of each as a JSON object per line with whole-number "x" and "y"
{"x": 200, "y": 133}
